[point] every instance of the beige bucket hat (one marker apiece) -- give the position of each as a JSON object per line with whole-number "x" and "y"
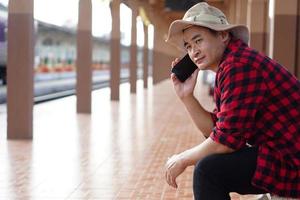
{"x": 207, "y": 16}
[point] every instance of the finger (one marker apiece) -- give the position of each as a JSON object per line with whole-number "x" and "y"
{"x": 173, "y": 180}
{"x": 174, "y": 62}
{"x": 175, "y": 184}
{"x": 174, "y": 78}
{"x": 169, "y": 179}
{"x": 171, "y": 161}
{"x": 168, "y": 160}
{"x": 166, "y": 176}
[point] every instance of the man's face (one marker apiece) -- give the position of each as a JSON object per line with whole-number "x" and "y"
{"x": 204, "y": 47}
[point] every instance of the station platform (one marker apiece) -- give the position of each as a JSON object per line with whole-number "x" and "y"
{"x": 117, "y": 152}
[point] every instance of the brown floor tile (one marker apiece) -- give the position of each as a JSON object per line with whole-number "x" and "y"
{"x": 117, "y": 152}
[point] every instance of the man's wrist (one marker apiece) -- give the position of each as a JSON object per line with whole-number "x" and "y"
{"x": 186, "y": 162}
{"x": 188, "y": 98}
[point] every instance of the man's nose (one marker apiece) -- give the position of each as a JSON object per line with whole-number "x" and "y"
{"x": 195, "y": 51}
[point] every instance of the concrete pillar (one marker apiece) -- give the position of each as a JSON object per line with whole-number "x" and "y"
{"x": 156, "y": 56}
{"x": 256, "y": 21}
{"x": 115, "y": 50}
{"x": 162, "y": 59}
{"x": 145, "y": 57}
{"x": 283, "y": 32}
{"x": 84, "y": 57}
{"x": 20, "y": 61}
{"x": 230, "y": 11}
{"x": 241, "y": 11}
{"x": 163, "y": 53}
{"x": 133, "y": 51}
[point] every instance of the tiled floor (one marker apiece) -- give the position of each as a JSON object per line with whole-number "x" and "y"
{"x": 117, "y": 152}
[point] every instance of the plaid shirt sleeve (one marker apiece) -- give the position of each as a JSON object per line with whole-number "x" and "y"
{"x": 240, "y": 89}
{"x": 213, "y": 116}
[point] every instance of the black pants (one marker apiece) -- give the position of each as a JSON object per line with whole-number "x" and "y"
{"x": 217, "y": 175}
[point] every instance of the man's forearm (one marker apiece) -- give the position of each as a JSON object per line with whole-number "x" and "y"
{"x": 206, "y": 148}
{"x": 199, "y": 115}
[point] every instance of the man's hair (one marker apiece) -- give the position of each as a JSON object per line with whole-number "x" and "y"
{"x": 214, "y": 32}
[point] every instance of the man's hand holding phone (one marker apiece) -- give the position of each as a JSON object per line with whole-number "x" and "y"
{"x": 184, "y": 76}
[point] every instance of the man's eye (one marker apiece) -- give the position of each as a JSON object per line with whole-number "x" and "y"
{"x": 188, "y": 47}
{"x": 198, "y": 41}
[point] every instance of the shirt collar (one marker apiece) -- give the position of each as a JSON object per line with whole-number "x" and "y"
{"x": 233, "y": 45}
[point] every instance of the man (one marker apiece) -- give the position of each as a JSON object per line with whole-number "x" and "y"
{"x": 253, "y": 136}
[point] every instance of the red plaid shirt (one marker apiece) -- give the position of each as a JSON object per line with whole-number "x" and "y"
{"x": 258, "y": 103}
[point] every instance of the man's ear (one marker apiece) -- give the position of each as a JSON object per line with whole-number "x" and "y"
{"x": 225, "y": 36}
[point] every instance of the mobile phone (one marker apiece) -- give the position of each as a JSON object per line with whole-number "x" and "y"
{"x": 184, "y": 68}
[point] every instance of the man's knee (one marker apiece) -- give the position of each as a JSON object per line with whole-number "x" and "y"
{"x": 206, "y": 165}
{"x": 207, "y": 182}
{"x": 205, "y": 168}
